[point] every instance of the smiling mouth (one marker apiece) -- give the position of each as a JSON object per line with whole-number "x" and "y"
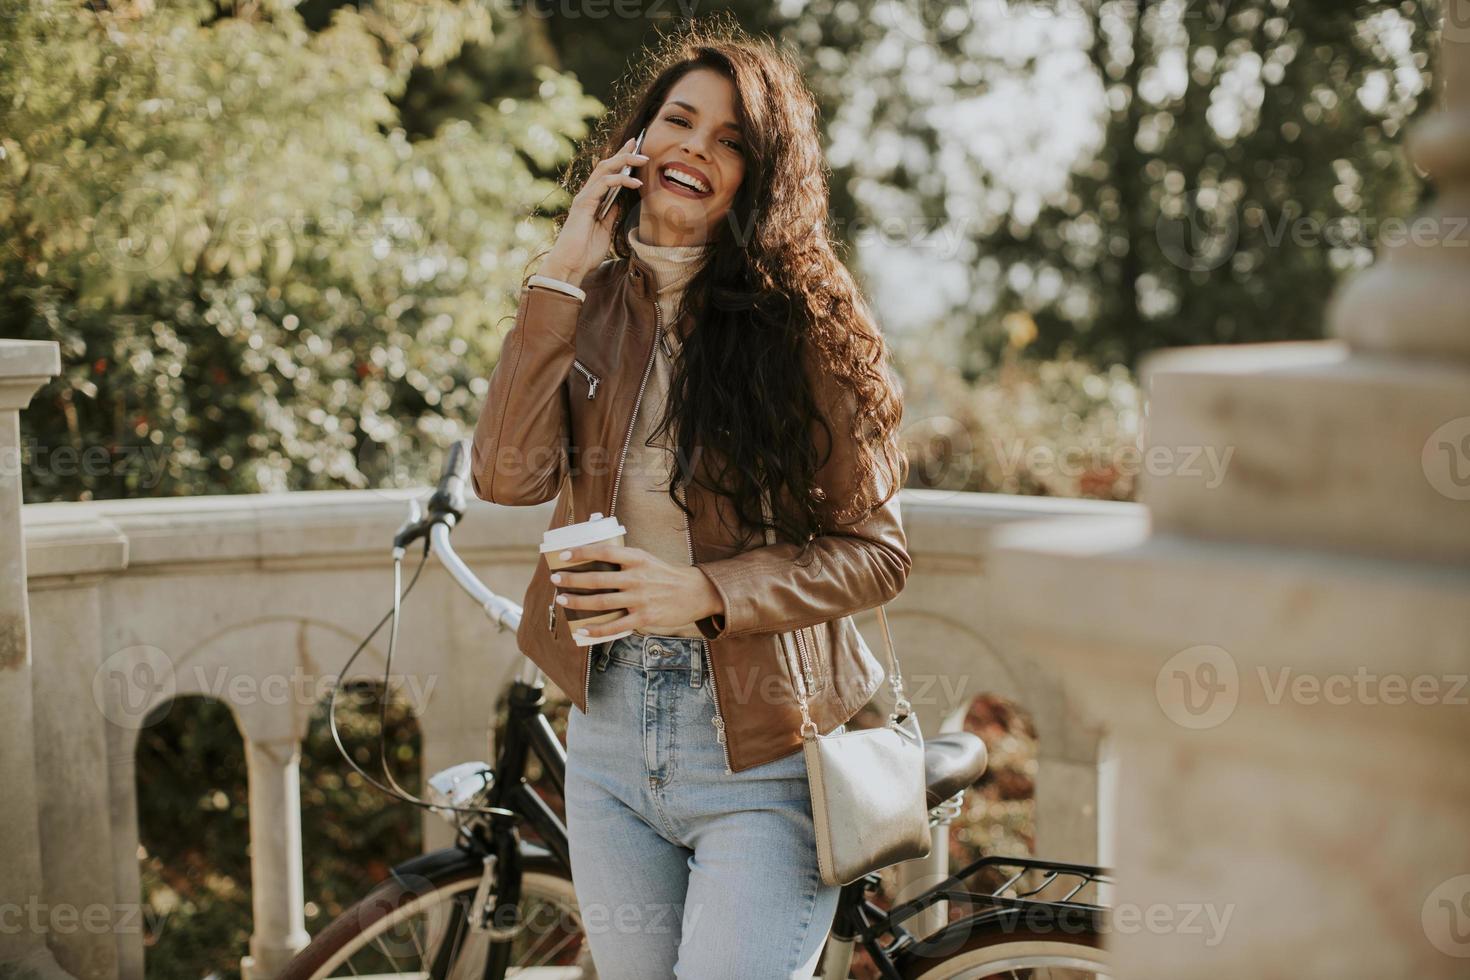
{"x": 680, "y": 183}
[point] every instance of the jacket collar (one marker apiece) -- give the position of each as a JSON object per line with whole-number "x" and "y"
{"x": 639, "y": 274}
{"x": 640, "y": 277}
{"x": 632, "y": 273}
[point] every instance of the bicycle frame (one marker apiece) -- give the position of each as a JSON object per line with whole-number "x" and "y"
{"x": 527, "y": 730}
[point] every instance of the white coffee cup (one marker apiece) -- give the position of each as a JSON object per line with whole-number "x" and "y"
{"x": 594, "y": 531}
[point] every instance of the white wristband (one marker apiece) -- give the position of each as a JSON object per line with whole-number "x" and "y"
{"x": 559, "y": 285}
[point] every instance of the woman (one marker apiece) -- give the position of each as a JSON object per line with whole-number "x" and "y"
{"x": 723, "y": 351}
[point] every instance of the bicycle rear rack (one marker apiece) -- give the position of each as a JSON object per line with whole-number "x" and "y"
{"x": 1065, "y": 895}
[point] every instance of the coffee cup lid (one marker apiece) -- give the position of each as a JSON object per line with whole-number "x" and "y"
{"x": 598, "y": 528}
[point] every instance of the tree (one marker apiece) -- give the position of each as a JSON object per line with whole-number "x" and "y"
{"x": 1130, "y": 173}
{"x": 258, "y": 280}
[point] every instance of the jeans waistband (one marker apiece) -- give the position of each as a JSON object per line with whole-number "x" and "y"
{"x": 649, "y": 652}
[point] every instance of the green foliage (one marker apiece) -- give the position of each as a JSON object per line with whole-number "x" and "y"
{"x": 193, "y": 825}
{"x": 258, "y": 281}
{"x": 1131, "y": 173}
{"x": 1199, "y": 198}
{"x": 193, "y": 828}
{"x": 1055, "y": 427}
{"x": 352, "y": 834}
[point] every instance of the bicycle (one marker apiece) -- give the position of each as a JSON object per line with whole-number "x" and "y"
{"x": 494, "y": 905}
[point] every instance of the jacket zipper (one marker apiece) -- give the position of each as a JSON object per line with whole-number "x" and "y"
{"x": 709, "y": 662}
{"x": 556, "y": 590}
{"x": 612, "y": 507}
{"x": 805, "y": 657}
{"x": 592, "y": 380}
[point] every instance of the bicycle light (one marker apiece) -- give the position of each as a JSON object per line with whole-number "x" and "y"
{"x": 462, "y": 785}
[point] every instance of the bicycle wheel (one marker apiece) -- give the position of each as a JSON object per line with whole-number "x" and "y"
{"x": 1008, "y": 947}
{"x": 414, "y": 924}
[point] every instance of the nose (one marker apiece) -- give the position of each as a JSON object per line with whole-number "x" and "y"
{"x": 694, "y": 146}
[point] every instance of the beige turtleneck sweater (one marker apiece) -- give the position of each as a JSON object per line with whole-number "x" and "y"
{"x": 654, "y": 522}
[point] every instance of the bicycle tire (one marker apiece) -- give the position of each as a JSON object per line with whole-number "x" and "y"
{"x": 411, "y": 888}
{"x": 991, "y": 945}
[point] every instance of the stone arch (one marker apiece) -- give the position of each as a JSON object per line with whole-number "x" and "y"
{"x": 958, "y": 661}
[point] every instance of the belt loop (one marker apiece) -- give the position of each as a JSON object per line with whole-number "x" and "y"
{"x": 696, "y": 663}
{"x": 603, "y": 653}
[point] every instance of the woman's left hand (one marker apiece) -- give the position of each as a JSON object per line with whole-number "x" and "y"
{"x": 654, "y": 592}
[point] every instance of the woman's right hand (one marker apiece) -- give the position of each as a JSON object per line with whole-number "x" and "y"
{"x": 583, "y": 242}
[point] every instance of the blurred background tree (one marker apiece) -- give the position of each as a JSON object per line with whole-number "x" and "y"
{"x": 260, "y": 279}
{"x": 277, "y": 243}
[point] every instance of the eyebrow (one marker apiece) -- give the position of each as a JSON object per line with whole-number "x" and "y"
{"x": 686, "y": 105}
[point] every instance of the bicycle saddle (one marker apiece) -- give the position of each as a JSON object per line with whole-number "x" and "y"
{"x": 952, "y": 762}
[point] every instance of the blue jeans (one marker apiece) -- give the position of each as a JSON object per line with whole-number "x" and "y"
{"x": 680, "y": 868}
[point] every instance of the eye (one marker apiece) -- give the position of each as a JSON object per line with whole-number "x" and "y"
{"x": 732, "y": 144}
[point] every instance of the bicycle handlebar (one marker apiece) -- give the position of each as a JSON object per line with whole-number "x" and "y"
{"x": 505, "y": 613}
{"x": 447, "y": 505}
{"x": 445, "y": 509}
{"x": 449, "y": 494}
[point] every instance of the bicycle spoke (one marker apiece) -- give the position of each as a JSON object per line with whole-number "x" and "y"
{"x": 557, "y": 949}
{"x": 417, "y": 946}
{"x": 387, "y": 954}
{"x": 437, "y": 941}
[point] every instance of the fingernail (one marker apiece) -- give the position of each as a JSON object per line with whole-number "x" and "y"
{"x": 640, "y": 156}
{"x": 581, "y": 632}
{"x": 565, "y": 556}
{"x": 556, "y": 578}
{"x": 562, "y": 599}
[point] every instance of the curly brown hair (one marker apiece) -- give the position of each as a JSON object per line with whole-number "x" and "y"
{"x": 773, "y": 277}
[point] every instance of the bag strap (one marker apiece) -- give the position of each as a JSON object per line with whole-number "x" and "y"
{"x": 901, "y": 705}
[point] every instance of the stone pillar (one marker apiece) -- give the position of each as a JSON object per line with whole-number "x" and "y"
{"x": 1414, "y": 300}
{"x": 277, "y": 882}
{"x": 1281, "y": 650}
{"x": 24, "y": 367}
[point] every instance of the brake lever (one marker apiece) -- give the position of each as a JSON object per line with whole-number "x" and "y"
{"x": 402, "y": 536}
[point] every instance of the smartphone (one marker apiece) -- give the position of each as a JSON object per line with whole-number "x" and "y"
{"x": 612, "y": 192}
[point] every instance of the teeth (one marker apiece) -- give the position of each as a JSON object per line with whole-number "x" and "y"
{"x": 688, "y": 180}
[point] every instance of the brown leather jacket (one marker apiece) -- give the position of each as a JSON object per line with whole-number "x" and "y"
{"x": 559, "y": 413}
